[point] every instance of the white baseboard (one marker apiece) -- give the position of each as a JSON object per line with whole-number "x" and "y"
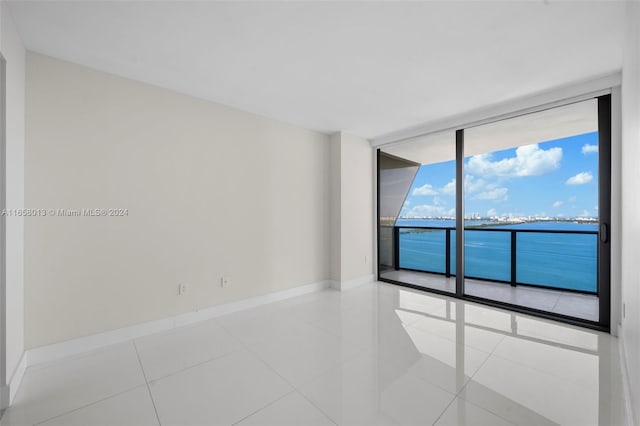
{"x": 88, "y": 343}
{"x": 631, "y": 412}
{"x": 346, "y": 285}
{"x": 16, "y": 378}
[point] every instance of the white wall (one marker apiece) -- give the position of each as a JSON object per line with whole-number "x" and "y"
{"x": 210, "y": 191}
{"x": 335, "y": 140}
{"x": 356, "y": 208}
{"x": 631, "y": 203}
{"x": 352, "y": 208}
{"x": 14, "y": 54}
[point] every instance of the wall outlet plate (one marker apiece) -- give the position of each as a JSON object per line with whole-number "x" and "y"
{"x": 182, "y": 289}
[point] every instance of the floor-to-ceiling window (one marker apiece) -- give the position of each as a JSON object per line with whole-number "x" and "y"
{"x": 533, "y": 197}
{"x": 424, "y": 225}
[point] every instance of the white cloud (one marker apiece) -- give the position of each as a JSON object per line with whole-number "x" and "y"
{"x": 450, "y": 188}
{"x": 558, "y": 204}
{"x": 425, "y": 189}
{"x": 596, "y": 208}
{"x": 426, "y": 210}
{"x": 587, "y": 149}
{"x": 493, "y": 194}
{"x": 584, "y": 213}
{"x": 530, "y": 160}
{"x": 492, "y": 212}
{"x": 580, "y": 179}
{"x": 573, "y": 199}
{"x": 471, "y": 185}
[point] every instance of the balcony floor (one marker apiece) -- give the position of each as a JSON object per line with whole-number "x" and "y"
{"x": 576, "y": 305}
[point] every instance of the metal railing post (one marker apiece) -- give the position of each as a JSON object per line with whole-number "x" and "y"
{"x": 513, "y": 258}
{"x": 396, "y": 248}
{"x": 447, "y": 270}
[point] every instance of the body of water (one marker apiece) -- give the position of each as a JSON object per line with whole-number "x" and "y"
{"x": 550, "y": 259}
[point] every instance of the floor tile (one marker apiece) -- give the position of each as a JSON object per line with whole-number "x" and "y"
{"x": 363, "y": 390}
{"x": 63, "y": 386}
{"x": 555, "y": 332}
{"x": 373, "y": 355}
{"x": 291, "y": 410}
{"x": 580, "y": 368}
{"x": 360, "y": 326}
{"x": 303, "y": 353}
{"x": 250, "y": 328}
{"x": 166, "y": 353}
{"x": 474, "y": 337}
{"x": 132, "y": 408}
{"x": 463, "y": 413}
{"x": 527, "y": 396}
{"x": 219, "y": 392}
{"x": 443, "y": 362}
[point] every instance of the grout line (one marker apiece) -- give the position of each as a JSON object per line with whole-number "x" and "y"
{"x": 480, "y": 366}
{"x": 316, "y": 407}
{"x": 263, "y": 407}
{"x": 473, "y": 375}
{"x": 88, "y": 405}
{"x": 511, "y": 422}
{"x": 91, "y": 403}
{"x": 193, "y": 366}
{"x": 459, "y": 394}
{"x": 155, "y": 409}
{"x": 293, "y": 391}
{"x": 293, "y": 387}
{"x": 445, "y": 409}
{"x": 189, "y": 367}
{"x": 263, "y": 362}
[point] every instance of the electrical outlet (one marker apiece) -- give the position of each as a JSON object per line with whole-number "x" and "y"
{"x": 182, "y": 289}
{"x": 224, "y": 281}
{"x": 624, "y": 310}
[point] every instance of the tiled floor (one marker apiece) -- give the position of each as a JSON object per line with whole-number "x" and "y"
{"x": 583, "y": 306}
{"x": 374, "y": 355}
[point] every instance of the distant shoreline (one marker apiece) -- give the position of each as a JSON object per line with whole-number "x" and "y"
{"x": 513, "y": 221}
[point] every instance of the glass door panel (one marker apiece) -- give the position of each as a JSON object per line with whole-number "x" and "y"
{"x": 532, "y": 211}
{"x": 424, "y": 228}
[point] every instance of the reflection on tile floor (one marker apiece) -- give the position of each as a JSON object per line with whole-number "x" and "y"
{"x": 583, "y": 306}
{"x": 375, "y": 355}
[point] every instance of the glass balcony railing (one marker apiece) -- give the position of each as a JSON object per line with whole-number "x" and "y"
{"x": 558, "y": 259}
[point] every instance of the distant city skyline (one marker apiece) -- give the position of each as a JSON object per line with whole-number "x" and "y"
{"x": 552, "y": 179}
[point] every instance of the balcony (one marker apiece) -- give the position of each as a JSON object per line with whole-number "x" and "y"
{"x": 550, "y": 270}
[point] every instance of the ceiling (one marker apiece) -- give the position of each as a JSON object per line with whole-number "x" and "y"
{"x": 367, "y": 68}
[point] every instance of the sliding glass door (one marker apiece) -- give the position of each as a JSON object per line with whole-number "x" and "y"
{"x": 532, "y": 205}
{"x": 532, "y": 211}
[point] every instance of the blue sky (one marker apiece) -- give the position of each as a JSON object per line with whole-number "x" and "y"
{"x": 557, "y": 178}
